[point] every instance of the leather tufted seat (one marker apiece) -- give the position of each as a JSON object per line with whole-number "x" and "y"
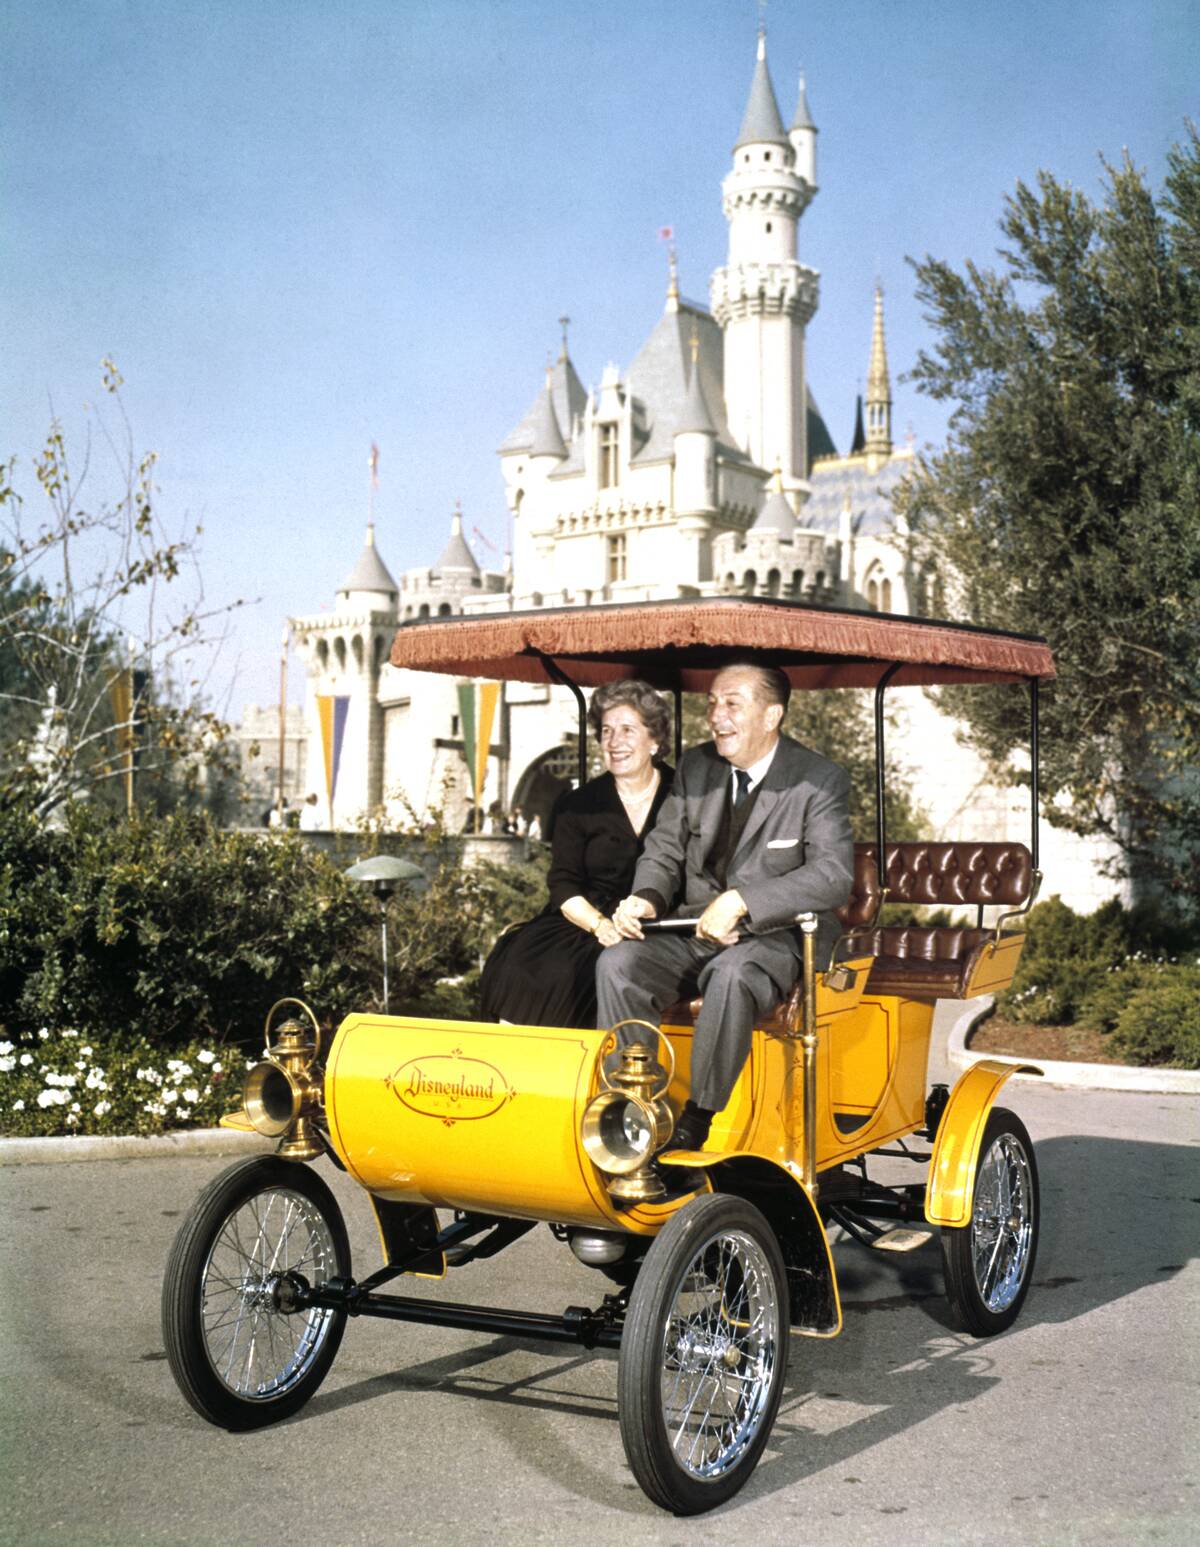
{"x": 916, "y": 961}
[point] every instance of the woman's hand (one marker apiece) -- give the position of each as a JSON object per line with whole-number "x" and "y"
{"x": 607, "y": 933}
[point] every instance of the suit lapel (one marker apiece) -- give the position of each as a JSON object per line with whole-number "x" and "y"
{"x": 781, "y": 775}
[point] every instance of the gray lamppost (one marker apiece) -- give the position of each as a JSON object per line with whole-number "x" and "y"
{"x": 385, "y": 874}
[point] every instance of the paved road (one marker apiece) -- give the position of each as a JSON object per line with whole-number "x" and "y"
{"x": 1079, "y": 1426}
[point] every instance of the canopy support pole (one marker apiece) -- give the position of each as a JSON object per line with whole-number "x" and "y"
{"x": 1034, "y": 806}
{"x": 678, "y": 691}
{"x": 554, "y": 670}
{"x": 880, "y": 812}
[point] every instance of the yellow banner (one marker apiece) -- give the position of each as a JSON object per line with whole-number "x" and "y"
{"x": 489, "y": 697}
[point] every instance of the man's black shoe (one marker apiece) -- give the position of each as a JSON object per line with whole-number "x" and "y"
{"x": 679, "y": 1180}
{"x": 691, "y": 1131}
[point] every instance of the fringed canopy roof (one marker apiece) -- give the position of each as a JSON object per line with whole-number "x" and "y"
{"x": 684, "y": 643}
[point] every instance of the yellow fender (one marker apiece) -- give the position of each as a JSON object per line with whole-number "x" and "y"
{"x": 815, "y": 1307}
{"x": 951, "y": 1192}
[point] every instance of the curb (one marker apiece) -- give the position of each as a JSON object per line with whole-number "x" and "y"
{"x": 1074, "y": 1076}
{"x": 164, "y": 1146}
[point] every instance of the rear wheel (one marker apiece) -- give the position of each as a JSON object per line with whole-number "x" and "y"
{"x": 239, "y": 1356}
{"x": 989, "y": 1262}
{"x": 704, "y": 1354}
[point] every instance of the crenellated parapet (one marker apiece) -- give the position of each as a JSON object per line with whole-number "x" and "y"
{"x": 786, "y": 289}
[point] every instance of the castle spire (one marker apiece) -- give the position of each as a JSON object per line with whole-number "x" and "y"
{"x": 547, "y": 436}
{"x": 879, "y": 389}
{"x": 761, "y": 124}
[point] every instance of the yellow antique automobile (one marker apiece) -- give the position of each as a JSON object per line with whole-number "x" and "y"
{"x": 466, "y": 1136}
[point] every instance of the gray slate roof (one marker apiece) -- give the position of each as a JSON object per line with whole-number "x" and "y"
{"x": 569, "y": 399}
{"x": 456, "y": 554}
{"x": 370, "y": 573}
{"x": 761, "y": 123}
{"x": 820, "y": 442}
{"x": 841, "y": 478}
{"x": 803, "y": 118}
{"x": 776, "y": 515}
{"x": 695, "y": 417}
{"x": 547, "y": 437}
{"x": 659, "y": 377}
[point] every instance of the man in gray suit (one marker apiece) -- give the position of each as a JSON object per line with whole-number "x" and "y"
{"x": 756, "y": 829}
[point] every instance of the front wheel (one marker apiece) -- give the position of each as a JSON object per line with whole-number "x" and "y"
{"x": 238, "y": 1355}
{"x": 704, "y": 1354}
{"x": 989, "y": 1262}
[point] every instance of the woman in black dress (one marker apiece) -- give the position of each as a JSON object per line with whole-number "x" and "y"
{"x": 543, "y": 973}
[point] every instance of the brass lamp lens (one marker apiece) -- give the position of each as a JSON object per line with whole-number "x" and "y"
{"x": 270, "y": 1099}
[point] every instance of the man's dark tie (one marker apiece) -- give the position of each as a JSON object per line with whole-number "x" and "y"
{"x": 743, "y": 787}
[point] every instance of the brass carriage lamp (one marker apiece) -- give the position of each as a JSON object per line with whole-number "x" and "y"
{"x": 385, "y": 875}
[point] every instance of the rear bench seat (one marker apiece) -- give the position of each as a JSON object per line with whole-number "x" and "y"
{"x": 916, "y": 961}
{"x": 930, "y": 962}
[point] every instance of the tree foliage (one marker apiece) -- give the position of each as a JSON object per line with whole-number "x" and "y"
{"x": 1067, "y": 499}
{"x": 95, "y": 657}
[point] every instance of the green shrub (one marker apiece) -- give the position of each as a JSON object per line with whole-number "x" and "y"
{"x": 1066, "y": 954}
{"x": 1160, "y": 1025}
{"x": 1101, "y": 1007}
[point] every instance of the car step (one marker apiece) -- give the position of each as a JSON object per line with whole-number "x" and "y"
{"x": 900, "y": 1239}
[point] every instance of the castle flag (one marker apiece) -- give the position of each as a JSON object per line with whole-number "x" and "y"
{"x": 332, "y": 712}
{"x": 477, "y": 713}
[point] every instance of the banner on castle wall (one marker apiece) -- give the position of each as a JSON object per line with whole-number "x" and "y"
{"x": 332, "y": 712}
{"x": 477, "y": 714}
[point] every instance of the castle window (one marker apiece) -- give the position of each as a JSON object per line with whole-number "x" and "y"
{"x": 766, "y": 155}
{"x": 749, "y": 582}
{"x": 423, "y": 610}
{"x": 773, "y": 583}
{"x": 768, "y": 228}
{"x": 444, "y": 610}
{"x": 609, "y": 467}
{"x": 885, "y": 596}
{"x": 797, "y": 582}
{"x": 617, "y": 557}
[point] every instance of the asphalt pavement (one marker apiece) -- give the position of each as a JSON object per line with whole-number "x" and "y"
{"x": 1081, "y": 1425}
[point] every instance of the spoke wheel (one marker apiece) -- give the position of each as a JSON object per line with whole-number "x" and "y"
{"x": 239, "y": 1357}
{"x": 703, "y": 1354}
{"x": 989, "y": 1262}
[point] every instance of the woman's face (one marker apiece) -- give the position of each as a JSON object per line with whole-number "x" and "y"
{"x": 625, "y": 743}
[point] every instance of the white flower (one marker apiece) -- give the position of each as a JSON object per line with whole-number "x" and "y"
{"x": 86, "y": 1050}
{"x": 179, "y": 1070}
{"x": 201, "y": 1058}
{"x": 25, "y": 1060}
{"x": 65, "y": 1080}
{"x": 101, "y": 1107}
{"x": 42, "y": 1034}
{"x": 81, "y": 1063}
{"x": 18, "y": 1106}
{"x": 169, "y": 1095}
{"x": 75, "y": 1107}
{"x": 70, "y": 1033}
{"x": 5, "y": 1047}
{"x": 7, "y": 1064}
{"x": 216, "y": 1068}
{"x": 51, "y": 1098}
{"x": 191, "y": 1094}
{"x": 96, "y": 1080}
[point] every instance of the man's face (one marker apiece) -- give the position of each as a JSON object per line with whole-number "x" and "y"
{"x": 745, "y": 727}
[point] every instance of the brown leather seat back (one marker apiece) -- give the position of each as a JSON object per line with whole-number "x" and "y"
{"x": 943, "y": 875}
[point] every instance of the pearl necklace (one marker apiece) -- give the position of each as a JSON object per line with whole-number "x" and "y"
{"x": 638, "y": 802}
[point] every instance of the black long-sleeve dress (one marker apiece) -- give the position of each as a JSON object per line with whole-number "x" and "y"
{"x": 542, "y": 973}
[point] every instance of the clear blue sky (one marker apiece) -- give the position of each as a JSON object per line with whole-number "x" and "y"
{"x": 301, "y": 227}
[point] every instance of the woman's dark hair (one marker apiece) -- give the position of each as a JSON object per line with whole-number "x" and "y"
{"x": 641, "y": 697}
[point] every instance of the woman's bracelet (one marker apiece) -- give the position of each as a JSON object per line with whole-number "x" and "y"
{"x": 600, "y": 919}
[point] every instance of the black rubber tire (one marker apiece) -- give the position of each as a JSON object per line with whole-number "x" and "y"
{"x": 206, "y": 1312}
{"x": 724, "y": 1243}
{"x": 1003, "y": 1232}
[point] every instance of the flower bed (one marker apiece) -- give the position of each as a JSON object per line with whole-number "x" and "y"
{"x": 54, "y": 1084}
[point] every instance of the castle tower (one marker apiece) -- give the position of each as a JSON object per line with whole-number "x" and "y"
{"x": 762, "y": 297}
{"x": 879, "y": 392}
{"x": 343, "y": 651}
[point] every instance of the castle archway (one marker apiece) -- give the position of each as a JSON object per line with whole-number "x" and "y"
{"x": 549, "y": 775}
